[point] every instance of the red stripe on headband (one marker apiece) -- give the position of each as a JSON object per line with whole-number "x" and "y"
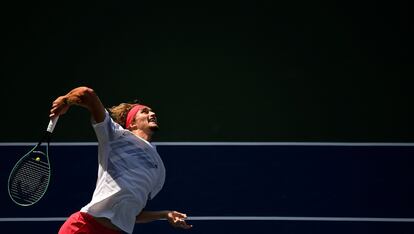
{"x": 132, "y": 113}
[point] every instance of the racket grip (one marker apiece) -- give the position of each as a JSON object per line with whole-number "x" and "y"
{"x": 52, "y": 124}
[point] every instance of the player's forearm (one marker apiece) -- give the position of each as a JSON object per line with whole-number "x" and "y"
{"x": 149, "y": 216}
{"x": 86, "y": 97}
{"x": 82, "y": 96}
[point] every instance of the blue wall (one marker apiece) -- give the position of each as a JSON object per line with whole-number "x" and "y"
{"x": 242, "y": 180}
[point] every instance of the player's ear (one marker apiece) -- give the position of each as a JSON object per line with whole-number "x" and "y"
{"x": 133, "y": 125}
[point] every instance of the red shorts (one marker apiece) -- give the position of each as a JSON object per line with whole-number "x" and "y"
{"x": 83, "y": 223}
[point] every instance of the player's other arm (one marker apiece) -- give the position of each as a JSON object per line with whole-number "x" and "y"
{"x": 176, "y": 219}
{"x": 80, "y": 96}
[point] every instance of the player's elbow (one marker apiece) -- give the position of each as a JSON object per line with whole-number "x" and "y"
{"x": 87, "y": 94}
{"x": 86, "y": 91}
{"x": 84, "y": 96}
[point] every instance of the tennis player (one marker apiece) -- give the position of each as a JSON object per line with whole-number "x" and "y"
{"x": 130, "y": 170}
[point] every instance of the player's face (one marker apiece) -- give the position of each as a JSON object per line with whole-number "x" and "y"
{"x": 145, "y": 119}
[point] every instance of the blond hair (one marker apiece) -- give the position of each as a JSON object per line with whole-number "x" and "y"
{"x": 119, "y": 113}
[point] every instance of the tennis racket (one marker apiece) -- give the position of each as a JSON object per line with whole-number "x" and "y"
{"x": 29, "y": 178}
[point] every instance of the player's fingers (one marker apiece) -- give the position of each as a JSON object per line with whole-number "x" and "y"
{"x": 184, "y": 225}
{"x": 58, "y": 110}
{"x": 177, "y": 223}
{"x": 53, "y": 112}
{"x": 181, "y": 215}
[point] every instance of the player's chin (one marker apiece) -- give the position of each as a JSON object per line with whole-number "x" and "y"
{"x": 154, "y": 127}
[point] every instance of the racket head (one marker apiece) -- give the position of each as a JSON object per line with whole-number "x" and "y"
{"x": 29, "y": 178}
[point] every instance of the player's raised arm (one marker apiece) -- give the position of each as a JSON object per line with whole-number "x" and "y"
{"x": 81, "y": 96}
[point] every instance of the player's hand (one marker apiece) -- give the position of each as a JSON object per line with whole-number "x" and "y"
{"x": 177, "y": 219}
{"x": 59, "y": 107}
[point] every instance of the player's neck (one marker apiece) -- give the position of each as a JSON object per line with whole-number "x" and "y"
{"x": 142, "y": 134}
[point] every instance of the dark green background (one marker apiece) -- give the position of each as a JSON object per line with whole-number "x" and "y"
{"x": 214, "y": 71}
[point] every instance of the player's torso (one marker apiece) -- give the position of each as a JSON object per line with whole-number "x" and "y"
{"x": 135, "y": 165}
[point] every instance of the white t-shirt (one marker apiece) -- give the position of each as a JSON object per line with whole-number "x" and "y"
{"x": 130, "y": 172}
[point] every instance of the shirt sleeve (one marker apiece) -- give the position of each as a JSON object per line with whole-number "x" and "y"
{"x": 107, "y": 130}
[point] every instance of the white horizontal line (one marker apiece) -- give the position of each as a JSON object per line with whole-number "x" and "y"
{"x": 228, "y": 143}
{"x": 32, "y": 219}
{"x": 281, "y": 218}
{"x": 240, "y": 218}
{"x": 285, "y": 143}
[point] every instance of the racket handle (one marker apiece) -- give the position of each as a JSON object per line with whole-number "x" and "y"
{"x": 52, "y": 124}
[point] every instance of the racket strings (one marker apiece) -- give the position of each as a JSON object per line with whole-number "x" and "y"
{"x": 30, "y": 181}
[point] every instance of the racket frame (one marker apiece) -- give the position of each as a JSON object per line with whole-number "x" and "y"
{"x": 45, "y": 139}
